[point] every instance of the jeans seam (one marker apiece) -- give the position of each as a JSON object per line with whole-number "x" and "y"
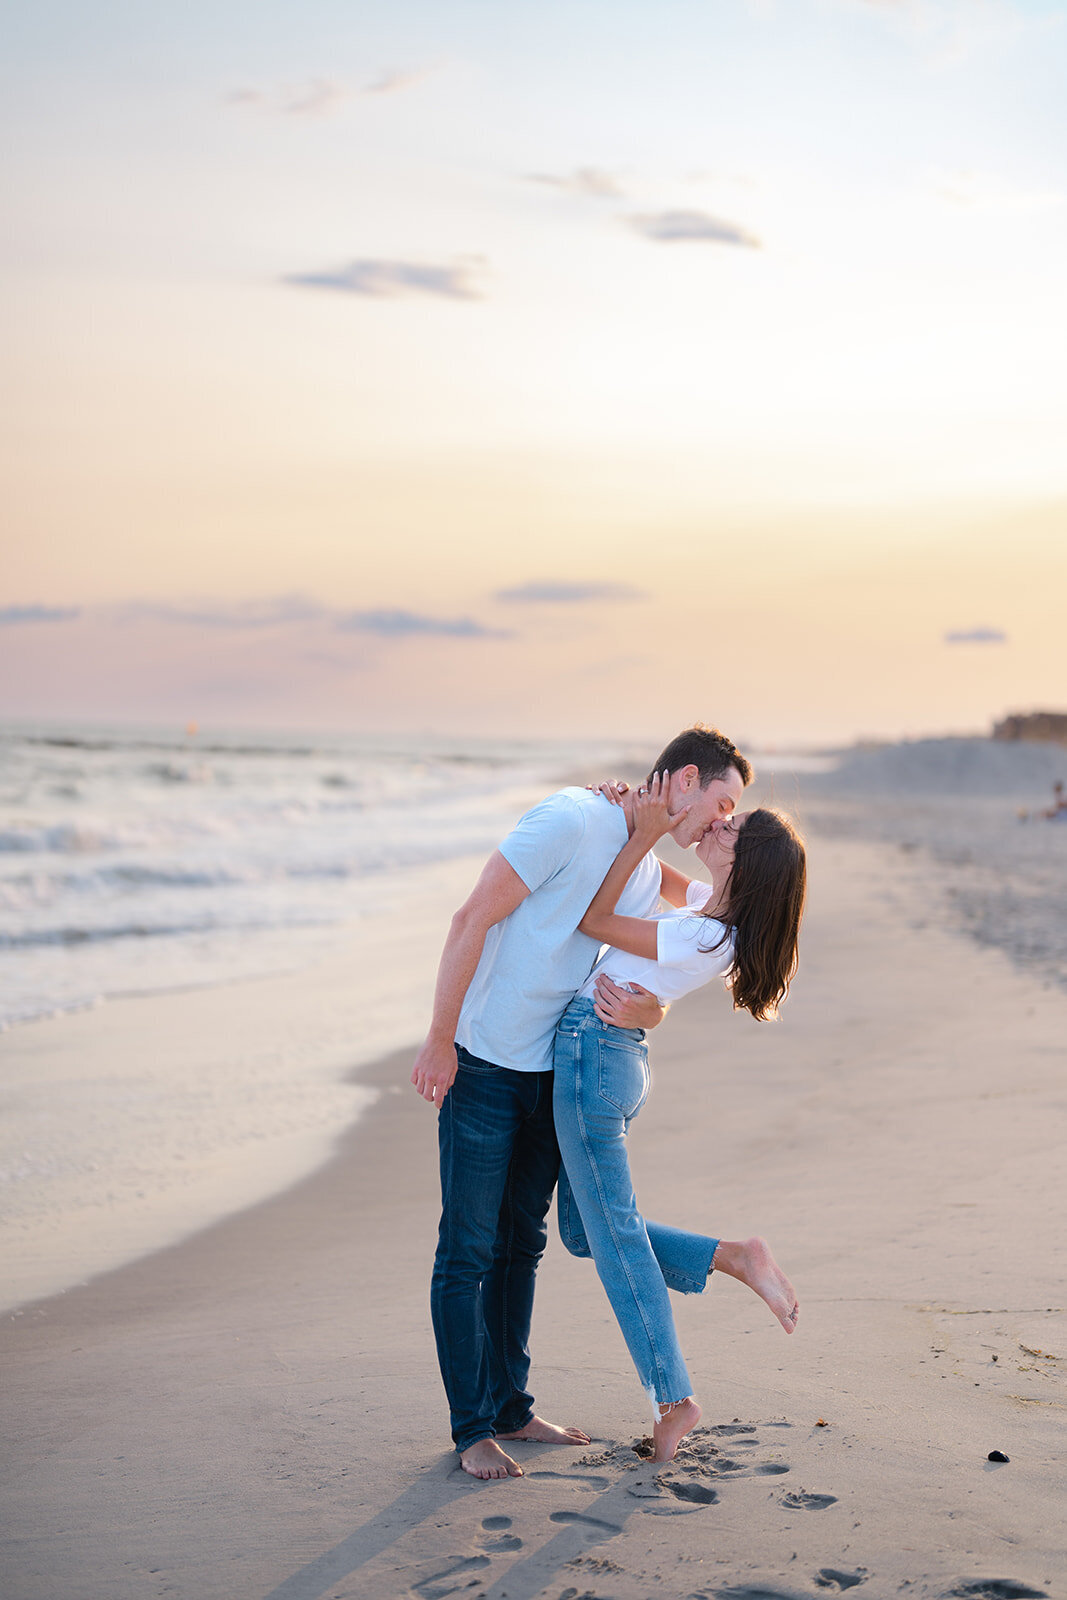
{"x": 505, "y": 1319}
{"x": 620, "y": 1254}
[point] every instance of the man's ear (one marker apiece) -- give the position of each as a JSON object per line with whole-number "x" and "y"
{"x": 689, "y": 778}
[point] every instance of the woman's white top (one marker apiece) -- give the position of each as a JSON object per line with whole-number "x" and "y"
{"x": 683, "y": 960}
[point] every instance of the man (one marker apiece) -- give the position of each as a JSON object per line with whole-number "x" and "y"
{"x": 511, "y": 964}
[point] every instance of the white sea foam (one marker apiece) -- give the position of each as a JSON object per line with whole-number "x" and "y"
{"x": 130, "y": 862}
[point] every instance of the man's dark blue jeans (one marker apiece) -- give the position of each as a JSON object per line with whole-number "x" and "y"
{"x": 499, "y": 1164}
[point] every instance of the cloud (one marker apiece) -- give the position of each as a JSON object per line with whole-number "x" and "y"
{"x": 245, "y": 615}
{"x": 984, "y": 192}
{"x": 976, "y": 636}
{"x": 404, "y": 624}
{"x": 393, "y": 82}
{"x": 670, "y": 227}
{"x": 589, "y": 182}
{"x": 316, "y": 98}
{"x": 388, "y": 279}
{"x": 568, "y": 593}
{"x": 16, "y": 616}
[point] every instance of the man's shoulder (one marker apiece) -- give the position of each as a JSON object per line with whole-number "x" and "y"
{"x": 581, "y": 812}
{"x": 571, "y": 804}
{"x": 558, "y": 830}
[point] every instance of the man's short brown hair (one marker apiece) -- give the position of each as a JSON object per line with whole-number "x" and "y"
{"x": 710, "y": 751}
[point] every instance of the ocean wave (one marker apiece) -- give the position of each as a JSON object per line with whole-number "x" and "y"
{"x": 131, "y": 859}
{"x": 84, "y": 837}
{"x": 71, "y": 935}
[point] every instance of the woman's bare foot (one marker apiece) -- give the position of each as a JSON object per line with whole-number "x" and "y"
{"x": 672, "y": 1427}
{"x": 750, "y": 1261}
{"x": 547, "y": 1433}
{"x": 486, "y": 1460}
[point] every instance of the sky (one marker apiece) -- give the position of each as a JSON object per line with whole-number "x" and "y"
{"x": 579, "y": 367}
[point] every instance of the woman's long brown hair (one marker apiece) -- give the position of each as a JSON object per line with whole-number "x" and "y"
{"x": 765, "y": 902}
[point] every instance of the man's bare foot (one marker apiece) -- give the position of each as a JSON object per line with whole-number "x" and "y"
{"x": 542, "y": 1432}
{"x": 750, "y": 1261}
{"x": 671, "y": 1429}
{"x": 486, "y": 1460}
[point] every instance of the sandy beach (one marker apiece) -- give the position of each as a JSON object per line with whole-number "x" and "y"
{"x": 255, "y": 1412}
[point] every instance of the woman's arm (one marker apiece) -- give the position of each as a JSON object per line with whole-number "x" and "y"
{"x": 636, "y": 935}
{"x": 673, "y": 884}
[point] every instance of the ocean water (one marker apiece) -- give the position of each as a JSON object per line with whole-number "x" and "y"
{"x": 134, "y": 860}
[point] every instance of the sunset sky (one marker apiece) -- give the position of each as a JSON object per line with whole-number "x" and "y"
{"x": 487, "y": 366}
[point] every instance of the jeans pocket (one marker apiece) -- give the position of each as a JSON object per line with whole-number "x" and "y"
{"x": 624, "y": 1076}
{"x": 469, "y": 1063}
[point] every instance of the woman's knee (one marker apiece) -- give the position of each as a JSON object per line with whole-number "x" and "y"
{"x": 571, "y": 1230}
{"x": 576, "y": 1242}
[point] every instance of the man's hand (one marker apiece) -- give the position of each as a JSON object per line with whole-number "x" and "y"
{"x": 435, "y": 1070}
{"x": 627, "y": 1008}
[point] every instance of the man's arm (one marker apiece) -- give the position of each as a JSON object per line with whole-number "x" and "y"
{"x": 495, "y": 896}
{"x": 627, "y": 1008}
{"x": 673, "y": 884}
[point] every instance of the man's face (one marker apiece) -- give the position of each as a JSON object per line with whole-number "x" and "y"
{"x": 705, "y": 805}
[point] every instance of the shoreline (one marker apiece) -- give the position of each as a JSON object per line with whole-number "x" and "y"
{"x": 246, "y": 1383}
{"x": 140, "y": 1122}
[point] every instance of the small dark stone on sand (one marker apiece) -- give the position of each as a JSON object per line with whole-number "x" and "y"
{"x": 998, "y": 1455}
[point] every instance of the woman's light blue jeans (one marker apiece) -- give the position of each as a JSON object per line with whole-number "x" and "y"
{"x": 601, "y": 1083}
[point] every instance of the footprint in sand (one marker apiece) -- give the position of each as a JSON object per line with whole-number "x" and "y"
{"x": 456, "y": 1576}
{"x": 768, "y": 1469}
{"x": 800, "y": 1500}
{"x": 744, "y": 1592}
{"x": 997, "y": 1589}
{"x": 698, "y": 1494}
{"x": 598, "y": 1528}
{"x": 587, "y": 1480}
{"x": 691, "y": 1495}
{"x": 494, "y": 1535}
{"x": 830, "y": 1578}
{"x": 440, "y": 1584}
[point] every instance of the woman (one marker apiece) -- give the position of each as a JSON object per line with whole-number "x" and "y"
{"x": 743, "y": 927}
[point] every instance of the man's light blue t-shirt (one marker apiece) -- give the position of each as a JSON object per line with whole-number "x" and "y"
{"x": 535, "y": 960}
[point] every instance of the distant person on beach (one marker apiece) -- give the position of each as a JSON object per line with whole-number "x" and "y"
{"x": 743, "y": 927}
{"x": 512, "y": 962}
{"x": 1057, "y": 811}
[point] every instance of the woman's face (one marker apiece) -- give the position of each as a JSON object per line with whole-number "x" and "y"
{"x": 716, "y": 848}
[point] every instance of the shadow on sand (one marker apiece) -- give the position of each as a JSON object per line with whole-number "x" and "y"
{"x": 572, "y": 1531}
